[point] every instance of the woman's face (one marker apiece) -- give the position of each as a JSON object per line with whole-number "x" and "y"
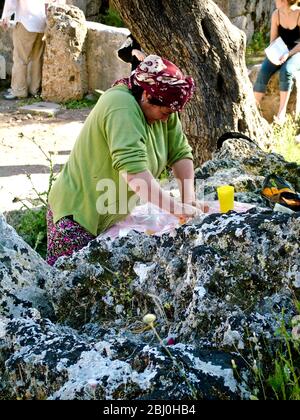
{"x": 154, "y": 113}
{"x": 157, "y": 113}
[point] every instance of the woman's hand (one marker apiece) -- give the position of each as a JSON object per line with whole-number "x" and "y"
{"x": 138, "y": 54}
{"x": 4, "y": 23}
{"x": 284, "y": 57}
{"x": 185, "y": 212}
{"x": 200, "y": 205}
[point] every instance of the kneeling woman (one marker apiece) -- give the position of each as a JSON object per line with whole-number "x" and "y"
{"x": 128, "y": 139}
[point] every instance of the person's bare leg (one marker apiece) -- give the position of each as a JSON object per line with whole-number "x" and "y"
{"x": 284, "y": 99}
{"x": 258, "y": 97}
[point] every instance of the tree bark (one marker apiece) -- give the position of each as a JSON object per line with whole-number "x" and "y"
{"x": 201, "y": 41}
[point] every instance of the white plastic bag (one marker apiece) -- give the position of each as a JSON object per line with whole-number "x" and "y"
{"x": 151, "y": 220}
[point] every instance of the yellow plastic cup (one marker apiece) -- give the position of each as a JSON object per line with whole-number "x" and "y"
{"x": 226, "y": 198}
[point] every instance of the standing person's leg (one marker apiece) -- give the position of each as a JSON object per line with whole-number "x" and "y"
{"x": 36, "y": 64}
{"x": 264, "y": 75}
{"x": 287, "y": 75}
{"x": 23, "y": 43}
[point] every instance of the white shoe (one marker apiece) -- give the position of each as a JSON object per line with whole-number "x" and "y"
{"x": 9, "y": 96}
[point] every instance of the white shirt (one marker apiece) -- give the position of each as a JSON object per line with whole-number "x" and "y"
{"x": 31, "y": 13}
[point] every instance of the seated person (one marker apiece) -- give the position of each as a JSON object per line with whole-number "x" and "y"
{"x": 285, "y": 24}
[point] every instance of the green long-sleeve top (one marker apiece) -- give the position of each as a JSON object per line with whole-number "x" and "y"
{"x": 115, "y": 137}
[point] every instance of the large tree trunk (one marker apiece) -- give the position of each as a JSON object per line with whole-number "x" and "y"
{"x": 199, "y": 38}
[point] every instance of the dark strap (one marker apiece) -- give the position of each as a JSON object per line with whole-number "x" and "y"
{"x": 234, "y": 135}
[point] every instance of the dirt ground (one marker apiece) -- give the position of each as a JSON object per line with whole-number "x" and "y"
{"x": 24, "y": 138}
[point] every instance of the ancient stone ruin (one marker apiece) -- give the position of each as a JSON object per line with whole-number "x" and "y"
{"x": 80, "y": 56}
{"x": 86, "y": 58}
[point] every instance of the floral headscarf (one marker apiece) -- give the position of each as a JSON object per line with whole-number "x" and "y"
{"x": 163, "y": 81}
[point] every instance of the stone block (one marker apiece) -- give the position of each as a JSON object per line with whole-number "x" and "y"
{"x": 103, "y": 64}
{"x": 49, "y": 109}
{"x": 6, "y": 46}
{"x": 248, "y": 15}
{"x": 64, "y": 69}
{"x": 81, "y": 4}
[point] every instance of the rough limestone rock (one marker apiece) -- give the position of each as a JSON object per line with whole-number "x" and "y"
{"x": 219, "y": 287}
{"x": 248, "y": 15}
{"x": 103, "y": 65}
{"x": 64, "y": 69}
{"x": 244, "y": 166}
{"x": 23, "y": 276}
{"x": 81, "y": 4}
{"x": 44, "y": 360}
{"x": 91, "y": 8}
{"x": 270, "y": 103}
{"x": 6, "y": 47}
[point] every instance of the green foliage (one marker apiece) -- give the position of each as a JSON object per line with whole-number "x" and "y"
{"x": 259, "y": 42}
{"x": 165, "y": 175}
{"x": 29, "y": 101}
{"x": 255, "y": 50}
{"x": 121, "y": 292}
{"x": 284, "y": 380}
{"x": 30, "y": 222}
{"x": 112, "y": 18}
{"x": 284, "y": 141}
{"x": 274, "y": 366}
{"x": 31, "y": 225}
{"x": 83, "y": 103}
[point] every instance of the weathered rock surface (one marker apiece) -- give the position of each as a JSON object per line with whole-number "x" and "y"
{"x": 64, "y": 69}
{"x": 219, "y": 286}
{"x": 248, "y": 15}
{"x": 80, "y": 56}
{"x": 6, "y": 47}
{"x": 23, "y": 276}
{"x": 45, "y": 360}
{"x": 103, "y": 65}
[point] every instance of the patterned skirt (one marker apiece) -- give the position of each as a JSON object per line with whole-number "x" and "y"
{"x": 64, "y": 237}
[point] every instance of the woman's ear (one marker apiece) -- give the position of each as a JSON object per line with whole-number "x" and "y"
{"x": 144, "y": 97}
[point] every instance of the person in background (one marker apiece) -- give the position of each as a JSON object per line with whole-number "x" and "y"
{"x": 285, "y": 24}
{"x": 128, "y": 139}
{"x": 131, "y": 52}
{"x": 28, "y": 44}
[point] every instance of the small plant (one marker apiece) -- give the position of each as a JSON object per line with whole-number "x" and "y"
{"x": 274, "y": 372}
{"x": 284, "y": 140}
{"x": 255, "y": 50}
{"x": 259, "y": 42}
{"x": 29, "y": 101}
{"x": 30, "y": 221}
{"x": 30, "y": 224}
{"x": 285, "y": 378}
{"x": 83, "y": 103}
{"x": 149, "y": 320}
{"x": 112, "y": 18}
{"x": 165, "y": 175}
